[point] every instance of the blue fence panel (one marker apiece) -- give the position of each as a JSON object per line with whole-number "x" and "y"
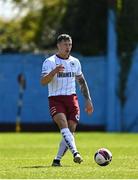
{"x": 35, "y": 108}
{"x": 130, "y": 113}
{"x": 94, "y": 69}
{"x": 35, "y": 102}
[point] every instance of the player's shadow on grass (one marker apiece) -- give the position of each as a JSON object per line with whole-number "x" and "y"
{"x": 25, "y": 167}
{"x": 35, "y": 167}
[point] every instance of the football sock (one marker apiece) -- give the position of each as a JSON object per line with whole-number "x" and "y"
{"x": 62, "y": 149}
{"x": 69, "y": 139}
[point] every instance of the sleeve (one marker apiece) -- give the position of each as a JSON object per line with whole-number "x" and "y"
{"x": 79, "y": 71}
{"x": 46, "y": 67}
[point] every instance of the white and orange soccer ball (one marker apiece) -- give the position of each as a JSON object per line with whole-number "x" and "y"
{"x": 103, "y": 157}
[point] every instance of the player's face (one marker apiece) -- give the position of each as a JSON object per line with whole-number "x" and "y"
{"x": 64, "y": 47}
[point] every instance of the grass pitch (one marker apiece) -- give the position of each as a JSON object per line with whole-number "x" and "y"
{"x": 29, "y": 156}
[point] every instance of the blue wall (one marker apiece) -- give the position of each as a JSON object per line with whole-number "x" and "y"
{"x": 130, "y": 112}
{"x": 35, "y": 102}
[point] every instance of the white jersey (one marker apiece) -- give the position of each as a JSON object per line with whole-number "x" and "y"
{"x": 62, "y": 83}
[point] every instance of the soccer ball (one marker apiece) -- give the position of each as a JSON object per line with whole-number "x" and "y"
{"x": 103, "y": 157}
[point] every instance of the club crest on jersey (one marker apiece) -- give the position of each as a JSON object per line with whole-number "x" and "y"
{"x": 72, "y": 64}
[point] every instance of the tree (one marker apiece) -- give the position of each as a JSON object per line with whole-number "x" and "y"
{"x": 86, "y": 21}
{"x": 39, "y": 24}
{"x": 127, "y": 41}
{"x": 8, "y": 41}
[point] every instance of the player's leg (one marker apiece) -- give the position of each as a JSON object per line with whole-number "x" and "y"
{"x": 61, "y": 151}
{"x": 61, "y": 121}
{"x": 72, "y": 126}
{"x": 58, "y": 112}
{"x": 73, "y": 116}
{"x": 56, "y": 107}
{"x": 62, "y": 146}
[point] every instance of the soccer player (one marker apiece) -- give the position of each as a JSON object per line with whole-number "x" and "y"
{"x": 60, "y": 72}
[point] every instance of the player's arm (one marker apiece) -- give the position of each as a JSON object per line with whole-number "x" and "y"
{"x": 47, "y": 77}
{"x": 85, "y": 91}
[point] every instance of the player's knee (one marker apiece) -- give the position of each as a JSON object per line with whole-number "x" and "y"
{"x": 72, "y": 126}
{"x": 61, "y": 122}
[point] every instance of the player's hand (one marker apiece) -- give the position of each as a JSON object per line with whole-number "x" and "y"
{"x": 59, "y": 68}
{"x": 89, "y": 107}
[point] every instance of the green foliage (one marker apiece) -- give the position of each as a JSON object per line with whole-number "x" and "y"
{"x": 8, "y": 40}
{"x": 29, "y": 156}
{"x": 49, "y": 23}
{"x": 86, "y": 21}
{"x": 35, "y": 30}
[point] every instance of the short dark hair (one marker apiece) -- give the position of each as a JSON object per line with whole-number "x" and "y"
{"x": 64, "y": 37}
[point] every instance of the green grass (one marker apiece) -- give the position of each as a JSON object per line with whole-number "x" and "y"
{"x": 29, "y": 156}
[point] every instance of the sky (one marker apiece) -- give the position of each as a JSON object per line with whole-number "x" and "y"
{"x": 7, "y": 11}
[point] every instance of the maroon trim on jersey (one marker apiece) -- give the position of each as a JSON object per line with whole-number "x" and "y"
{"x": 67, "y": 104}
{"x": 61, "y": 57}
